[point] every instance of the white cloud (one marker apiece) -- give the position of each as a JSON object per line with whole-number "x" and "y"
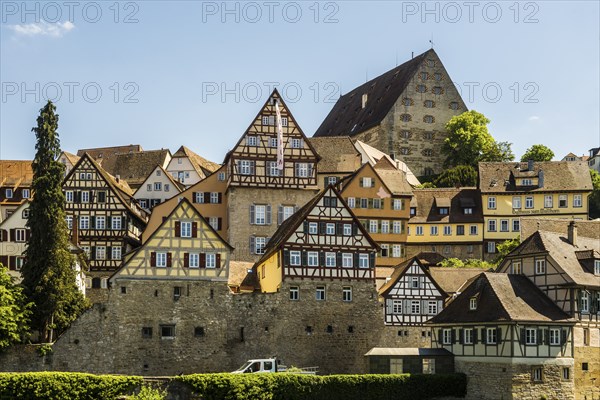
{"x": 43, "y": 28}
{"x": 534, "y": 118}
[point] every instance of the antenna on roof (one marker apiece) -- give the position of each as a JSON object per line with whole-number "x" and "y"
{"x": 412, "y": 55}
{"x": 431, "y": 41}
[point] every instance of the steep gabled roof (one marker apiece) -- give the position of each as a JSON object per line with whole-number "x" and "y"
{"x": 290, "y": 225}
{"x": 558, "y": 247}
{"x": 499, "y": 177}
{"x": 71, "y": 157}
{"x": 348, "y": 117}
{"x": 202, "y": 166}
{"x": 119, "y": 187}
{"x": 179, "y": 187}
{"x": 395, "y": 180}
{"x": 452, "y": 279}
{"x": 501, "y": 298}
{"x": 401, "y": 270}
{"x": 372, "y": 155}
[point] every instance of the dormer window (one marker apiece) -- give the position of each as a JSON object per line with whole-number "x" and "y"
{"x": 473, "y": 303}
{"x": 596, "y": 267}
{"x": 444, "y": 210}
{"x": 468, "y": 211}
{"x": 413, "y": 211}
{"x": 526, "y": 182}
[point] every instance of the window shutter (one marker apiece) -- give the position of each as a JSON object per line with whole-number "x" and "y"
{"x": 453, "y": 335}
{"x": 153, "y": 259}
{"x": 354, "y": 228}
{"x": 252, "y": 163}
{"x": 251, "y": 244}
{"x": 13, "y": 235}
{"x": 382, "y": 204}
{"x": 78, "y": 197}
{"x": 219, "y": 223}
{"x": 305, "y": 227}
{"x": 498, "y": 335}
{"x": 372, "y": 183}
{"x": 194, "y": 229}
{"x": 286, "y": 257}
{"x": 370, "y": 203}
{"x": 194, "y": 197}
{"x": 206, "y": 197}
{"x": 310, "y": 170}
{"x": 563, "y": 336}
{"x": 252, "y": 218}
{"x": 540, "y": 336}
{"x": 304, "y": 257}
{"x": 177, "y": 228}
{"x": 325, "y": 180}
{"x": 27, "y": 234}
{"x": 483, "y": 336}
{"x": 202, "y": 260}
{"x": 4, "y": 260}
{"x": 372, "y": 260}
{"x": 124, "y": 223}
{"x": 338, "y": 259}
{"x": 2, "y": 235}
{"x": 218, "y": 260}
{"x": 220, "y": 200}
{"x": 461, "y": 336}
{"x": 321, "y": 258}
{"x": 268, "y": 212}
{"x": 279, "y": 215}
{"x": 389, "y": 306}
{"x": 522, "y": 338}
{"x": 340, "y": 228}
{"x": 108, "y": 253}
{"x": 186, "y": 260}
{"x": 440, "y": 337}
{"x": 92, "y": 222}
{"x": 169, "y": 260}
{"x": 321, "y": 228}
{"x": 546, "y": 336}
{"x": 355, "y": 261}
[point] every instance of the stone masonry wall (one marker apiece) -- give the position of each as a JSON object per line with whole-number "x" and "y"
{"x": 236, "y": 327}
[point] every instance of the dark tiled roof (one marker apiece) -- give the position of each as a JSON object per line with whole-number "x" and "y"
{"x": 401, "y": 269}
{"x": 429, "y": 258}
{"x": 105, "y": 156}
{"x": 349, "y": 118}
{"x": 530, "y": 225}
{"x": 562, "y": 252}
{"x": 501, "y": 298}
{"x": 427, "y": 208}
{"x": 499, "y": 177}
{"x": 135, "y": 167}
{"x": 338, "y": 154}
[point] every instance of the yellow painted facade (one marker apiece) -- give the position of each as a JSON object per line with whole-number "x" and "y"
{"x": 269, "y": 273}
{"x": 502, "y": 212}
{"x": 435, "y": 233}
{"x": 173, "y": 253}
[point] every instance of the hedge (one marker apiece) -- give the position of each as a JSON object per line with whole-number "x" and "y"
{"x": 65, "y": 386}
{"x": 284, "y": 386}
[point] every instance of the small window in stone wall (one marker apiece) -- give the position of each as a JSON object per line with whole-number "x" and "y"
{"x": 167, "y": 331}
{"x": 147, "y": 332}
{"x": 536, "y": 374}
{"x": 584, "y": 366}
{"x": 566, "y": 373}
{"x": 199, "y": 331}
{"x": 123, "y": 289}
{"x": 405, "y": 118}
{"x": 350, "y": 329}
{"x": 405, "y": 134}
{"x": 329, "y": 329}
{"x": 308, "y": 330}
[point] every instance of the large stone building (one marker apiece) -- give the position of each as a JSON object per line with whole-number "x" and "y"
{"x": 402, "y": 113}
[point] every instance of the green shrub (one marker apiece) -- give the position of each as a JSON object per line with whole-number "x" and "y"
{"x": 64, "y": 386}
{"x": 346, "y": 387}
{"x": 148, "y": 393}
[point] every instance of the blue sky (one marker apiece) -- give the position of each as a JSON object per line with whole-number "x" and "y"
{"x": 162, "y": 74}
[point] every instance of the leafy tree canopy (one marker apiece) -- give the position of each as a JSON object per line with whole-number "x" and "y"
{"x": 460, "y": 176}
{"x": 538, "y": 152}
{"x": 14, "y": 311}
{"x": 594, "y": 199}
{"x": 470, "y": 142}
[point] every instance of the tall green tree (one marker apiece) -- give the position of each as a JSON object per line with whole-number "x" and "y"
{"x": 48, "y": 274}
{"x": 594, "y": 199}
{"x": 470, "y": 142}
{"x": 538, "y": 152}
{"x": 14, "y": 311}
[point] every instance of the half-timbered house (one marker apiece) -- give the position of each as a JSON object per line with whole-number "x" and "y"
{"x": 158, "y": 187}
{"x": 108, "y": 218}
{"x": 189, "y": 168}
{"x": 322, "y": 241}
{"x": 260, "y": 195}
{"x": 339, "y": 158}
{"x": 380, "y": 197}
{"x": 411, "y": 296}
{"x": 509, "y": 338}
{"x": 16, "y": 177}
{"x": 209, "y": 197}
{"x": 14, "y": 236}
{"x": 68, "y": 160}
{"x": 135, "y": 167}
{"x": 567, "y": 269}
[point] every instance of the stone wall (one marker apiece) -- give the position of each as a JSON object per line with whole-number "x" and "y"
{"x": 333, "y": 335}
{"x": 495, "y": 380}
{"x": 456, "y": 250}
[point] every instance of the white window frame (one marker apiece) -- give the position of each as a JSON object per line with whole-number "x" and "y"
{"x": 516, "y": 202}
{"x": 415, "y": 307}
{"x": 26, "y": 193}
{"x": 260, "y": 214}
{"x": 185, "y": 229}
{"x": 447, "y": 230}
{"x": 101, "y": 222}
{"x": 116, "y": 253}
{"x": 540, "y": 267}
{"x": 69, "y": 219}
{"x": 548, "y": 201}
{"x": 397, "y": 204}
{"x": 491, "y": 336}
{"x": 596, "y": 267}
{"x": 504, "y": 226}
{"x": 347, "y": 229}
{"x": 157, "y": 186}
{"x": 84, "y": 222}
{"x": 554, "y": 337}
{"x": 447, "y": 336}
{"x": 491, "y": 247}
{"x": 210, "y": 260}
{"x": 468, "y": 336}
{"x": 351, "y": 202}
{"x": 161, "y": 259}
{"x": 473, "y": 303}
{"x": 260, "y": 243}
{"x": 301, "y": 170}
{"x": 214, "y": 197}
{"x": 100, "y": 252}
{"x": 473, "y": 230}
{"x": 492, "y": 225}
{"x": 584, "y": 304}
{"x": 577, "y": 200}
{"x": 330, "y": 260}
{"x": 330, "y": 228}
{"x": 20, "y": 235}
{"x": 396, "y": 250}
{"x": 116, "y": 223}
{"x": 419, "y": 230}
{"x": 312, "y": 258}
{"x": 296, "y": 143}
{"x": 433, "y": 230}
{"x": 251, "y": 140}
{"x": 8, "y": 193}
{"x": 194, "y": 260}
{"x": 516, "y": 268}
{"x": 397, "y": 227}
{"x": 85, "y": 196}
{"x": 347, "y": 293}
{"x": 563, "y": 201}
{"x": 396, "y": 306}
{"x": 347, "y": 260}
{"x": 69, "y": 196}
{"x": 245, "y": 167}
{"x": 530, "y": 336}
{"x": 432, "y": 307}
{"x": 320, "y": 294}
{"x": 363, "y": 260}
{"x": 529, "y": 202}
{"x": 313, "y": 228}
{"x": 295, "y": 258}
{"x": 373, "y": 226}
{"x": 491, "y": 203}
{"x": 294, "y": 293}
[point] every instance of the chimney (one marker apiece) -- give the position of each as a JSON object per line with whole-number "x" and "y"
{"x": 572, "y": 233}
{"x": 541, "y": 179}
{"x": 529, "y": 165}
